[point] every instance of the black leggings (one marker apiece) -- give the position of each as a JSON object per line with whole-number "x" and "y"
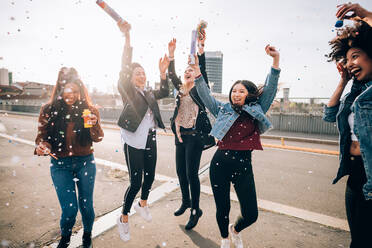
{"x": 358, "y": 210}
{"x": 188, "y": 156}
{"x": 229, "y": 166}
{"x": 140, "y": 161}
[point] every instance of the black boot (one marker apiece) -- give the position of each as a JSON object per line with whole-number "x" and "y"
{"x": 182, "y": 209}
{"x": 194, "y": 218}
{"x": 64, "y": 242}
{"x": 87, "y": 240}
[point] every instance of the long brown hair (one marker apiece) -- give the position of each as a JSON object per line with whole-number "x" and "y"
{"x": 69, "y": 75}
{"x": 59, "y": 113}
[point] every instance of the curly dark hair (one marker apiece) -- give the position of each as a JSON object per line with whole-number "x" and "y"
{"x": 357, "y": 36}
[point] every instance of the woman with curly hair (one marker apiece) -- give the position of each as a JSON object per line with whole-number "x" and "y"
{"x": 352, "y": 51}
{"x": 62, "y": 133}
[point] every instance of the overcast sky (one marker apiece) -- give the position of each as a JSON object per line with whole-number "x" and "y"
{"x": 37, "y": 37}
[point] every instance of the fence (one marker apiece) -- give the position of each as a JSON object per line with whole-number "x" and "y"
{"x": 290, "y": 122}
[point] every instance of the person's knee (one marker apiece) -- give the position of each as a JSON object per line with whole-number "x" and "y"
{"x": 69, "y": 213}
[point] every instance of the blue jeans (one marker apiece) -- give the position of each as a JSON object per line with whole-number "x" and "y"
{"x": 66, "y": 173}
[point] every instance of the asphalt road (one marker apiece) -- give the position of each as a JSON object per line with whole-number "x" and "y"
{"x": 296, "y": 179}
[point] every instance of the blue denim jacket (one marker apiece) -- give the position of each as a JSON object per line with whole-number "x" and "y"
{"x": 361, "y": 105}
{"x": 225, "y": 114}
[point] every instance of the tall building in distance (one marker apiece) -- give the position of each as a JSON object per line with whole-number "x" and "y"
{"x": 4, "y": 76}
{"x": 214, "y": 62}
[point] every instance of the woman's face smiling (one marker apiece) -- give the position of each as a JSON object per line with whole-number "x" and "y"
{"x": 359, "y": 64}
{"x": 71, "y": 93}
{"x": 238, "y": 94}
{"x": 189, "y": 75}
{"x": 139, "y": 77}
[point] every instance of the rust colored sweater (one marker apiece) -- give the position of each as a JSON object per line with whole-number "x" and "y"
{"x": 73, "y": 148}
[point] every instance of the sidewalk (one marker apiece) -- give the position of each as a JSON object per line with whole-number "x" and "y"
{"x": 270, "y": 230}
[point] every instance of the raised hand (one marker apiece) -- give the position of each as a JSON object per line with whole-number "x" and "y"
{"x": 271, "y": 51}
{"x": 345, "y": 75}
{"x": 172, "y": 47}
{"x": 358, "y": 12}
{"x": 124, "y": 27}
{"x": 163, "y": 66}
{"x": 201, "y": 41}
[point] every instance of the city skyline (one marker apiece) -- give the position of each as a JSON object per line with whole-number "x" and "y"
{"x": 38, "y": 37}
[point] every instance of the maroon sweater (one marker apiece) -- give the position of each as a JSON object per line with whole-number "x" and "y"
{"x": 243, "y": 135}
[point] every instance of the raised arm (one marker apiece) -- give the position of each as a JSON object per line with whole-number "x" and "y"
{"x": 331, "y": 110}
{"x": 204, "y": 92}
{"x": 271, "y": 82}
{"x": 164, "y": 88}
{"x": 357, "y": 13}
{"x": 201, "y": 56}
{"x": 171, "y": 69}
{"x": 125, "y": 86}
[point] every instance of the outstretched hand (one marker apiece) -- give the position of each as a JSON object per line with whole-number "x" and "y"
{"x": 124, "y": 27}
{"x": 172, "y": 47}
{"x": 163, "y": 65}
{"x": 271, "y": 50}
{"x": 357, "y": 11}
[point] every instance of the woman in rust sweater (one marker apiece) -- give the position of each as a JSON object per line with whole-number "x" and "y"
{"x": 64, "y": 136}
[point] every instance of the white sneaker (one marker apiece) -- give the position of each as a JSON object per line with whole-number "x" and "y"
{"x": 225, "y": 243}
{"x": 123, "y": 229}
{"x": 235, "y": 238}
{"x": 143, "y": 211}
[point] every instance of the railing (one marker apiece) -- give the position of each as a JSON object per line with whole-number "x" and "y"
{"x": 289, "y": 122}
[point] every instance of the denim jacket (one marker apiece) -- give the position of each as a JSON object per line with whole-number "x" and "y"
{"x": 226, "y": 115}
{"x": 361, "y": 105}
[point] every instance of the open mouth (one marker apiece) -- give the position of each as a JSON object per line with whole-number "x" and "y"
{"x": 355, "y": 72}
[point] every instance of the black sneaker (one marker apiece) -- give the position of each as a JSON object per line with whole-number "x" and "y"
{"x": 182, "y": 209}
{"x": 87, "y": 240}
{"x": 64, "y": 242}
{"x": 194, "y": 218}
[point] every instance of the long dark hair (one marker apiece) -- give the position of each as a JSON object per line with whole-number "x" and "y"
{"x": 254, "y": 93}
{"x": 59, "y": 114}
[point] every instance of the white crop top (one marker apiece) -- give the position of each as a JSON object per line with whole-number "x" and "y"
{"x": 350, "y": 119}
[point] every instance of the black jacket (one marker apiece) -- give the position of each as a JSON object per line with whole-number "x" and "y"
{"x": 136, "y": 104}
{"x": 202, "y": 124}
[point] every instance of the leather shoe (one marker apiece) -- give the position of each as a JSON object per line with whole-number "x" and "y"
{"x": 181, "y": 210}
{"x": 194, "y": 218}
